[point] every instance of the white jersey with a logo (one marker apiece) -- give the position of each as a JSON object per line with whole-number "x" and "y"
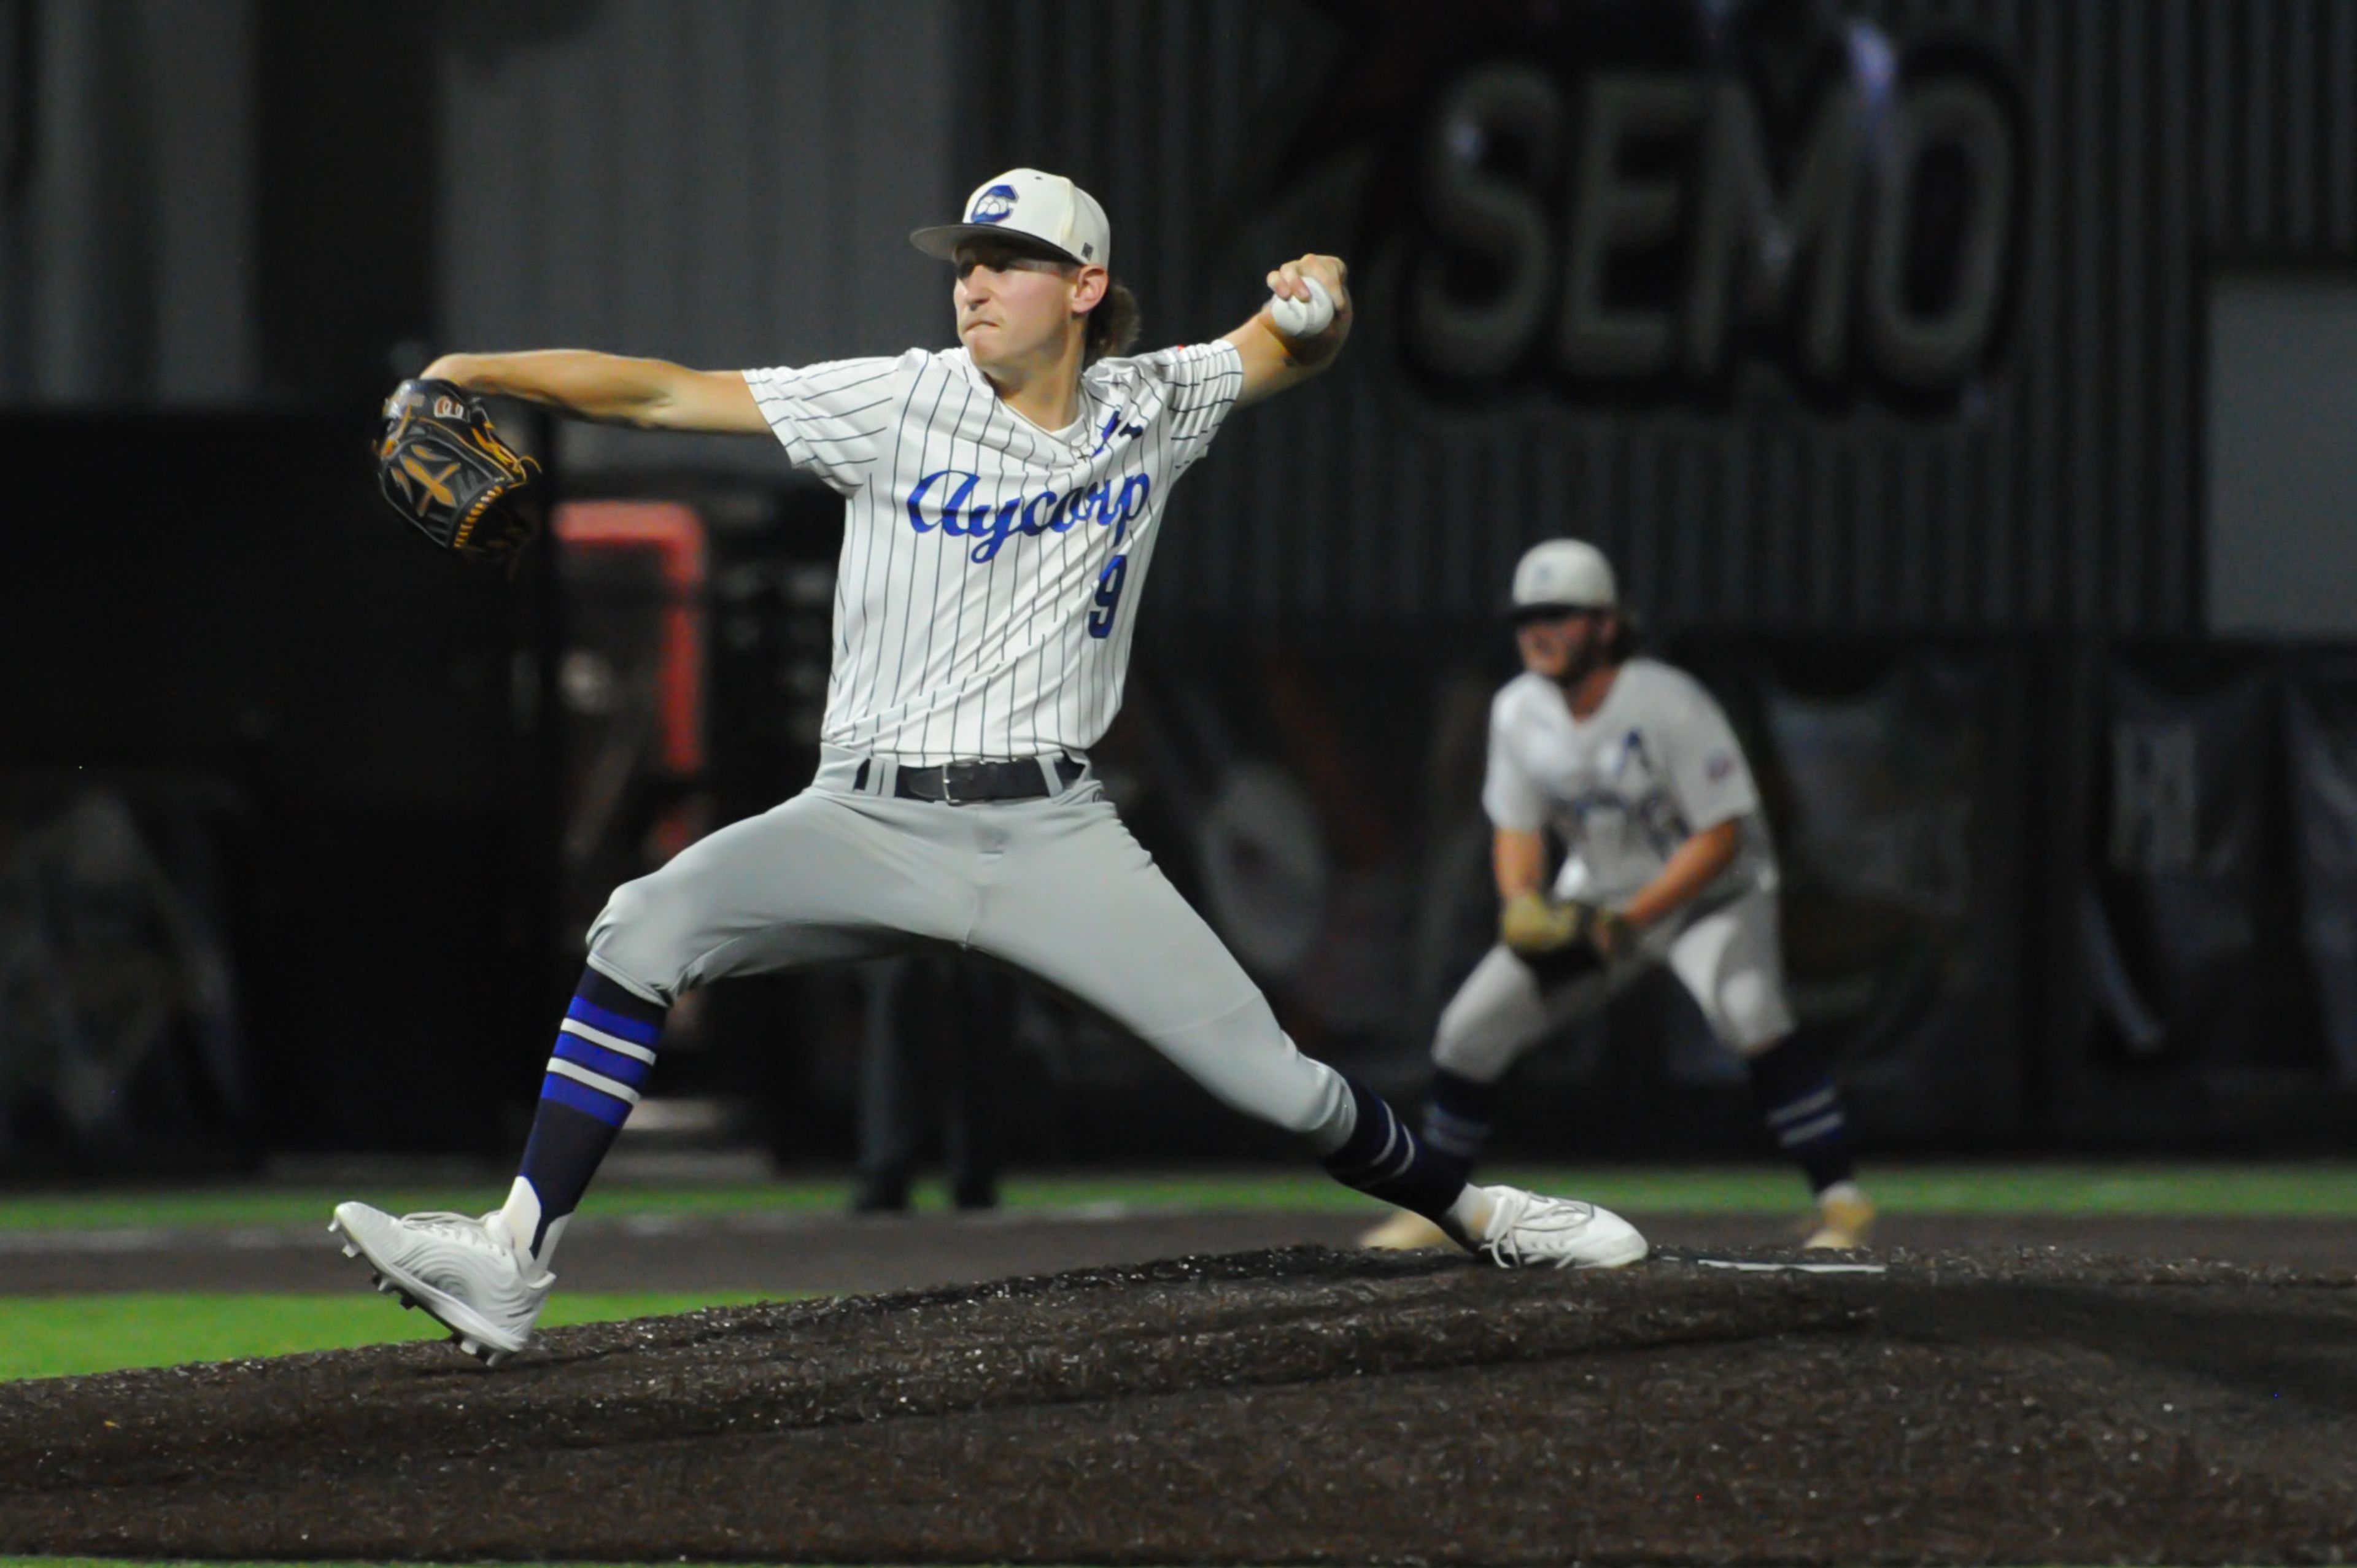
{"x": 1656, "y": 763}
{"x": 988, "y": 589}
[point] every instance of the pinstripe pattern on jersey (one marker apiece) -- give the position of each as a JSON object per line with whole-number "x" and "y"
{"x": 974, "y": 541}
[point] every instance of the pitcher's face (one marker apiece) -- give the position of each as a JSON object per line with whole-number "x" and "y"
{"x": 1013, "y": 307}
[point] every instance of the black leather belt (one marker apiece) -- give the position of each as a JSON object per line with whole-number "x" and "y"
{"x": 968, "y": 783}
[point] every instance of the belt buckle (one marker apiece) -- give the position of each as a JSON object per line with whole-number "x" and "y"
{"x": 949, "y": 787}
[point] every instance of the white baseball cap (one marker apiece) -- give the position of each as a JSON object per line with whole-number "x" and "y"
{"x": 1045, "y": 209}
{"x": 1567, "y": 573}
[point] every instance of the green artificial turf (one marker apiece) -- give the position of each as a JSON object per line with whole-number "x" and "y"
{"x": 60, "y": 1335}
{"x": 166, "y": 1562}
{"x": 2324, "y": 1190}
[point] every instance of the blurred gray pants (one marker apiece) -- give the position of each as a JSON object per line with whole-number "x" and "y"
{"x": 1730, "y": 958}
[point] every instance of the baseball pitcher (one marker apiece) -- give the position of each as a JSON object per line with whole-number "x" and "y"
{"x": 1002, "y": 502}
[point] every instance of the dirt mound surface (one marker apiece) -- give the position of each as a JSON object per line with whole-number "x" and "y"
{"x": 1301, "y": 1405}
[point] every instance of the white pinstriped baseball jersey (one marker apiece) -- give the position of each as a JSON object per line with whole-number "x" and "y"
{"x": 988, "y": 589}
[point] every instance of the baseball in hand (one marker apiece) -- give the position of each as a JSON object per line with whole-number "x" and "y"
{"x": 1302, "y": 318}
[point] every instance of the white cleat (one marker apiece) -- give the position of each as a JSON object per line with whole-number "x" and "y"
{"x": 1528, "y": 1232}
{"x": 464, "y": 1273}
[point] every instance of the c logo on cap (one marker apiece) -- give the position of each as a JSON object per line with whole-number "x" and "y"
{"x": 992, "y": 206}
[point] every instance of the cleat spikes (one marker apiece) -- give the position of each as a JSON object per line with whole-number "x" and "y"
{"x": 461, "y": 1271}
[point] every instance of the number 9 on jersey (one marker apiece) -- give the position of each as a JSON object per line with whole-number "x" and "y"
{"x": 1108, "y": 598}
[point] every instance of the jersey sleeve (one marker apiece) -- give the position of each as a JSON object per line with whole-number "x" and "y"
{"x": 1509, "y": 794}
{"x": 830, "y": 417}
{"x": 1708, "y": 772}
{"x": 1200, "y": 385}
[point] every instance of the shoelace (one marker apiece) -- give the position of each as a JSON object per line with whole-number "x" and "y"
{"x": 1554, "y": 1214}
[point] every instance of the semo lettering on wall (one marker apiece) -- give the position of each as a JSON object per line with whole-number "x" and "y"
{"x": 944, "y": 500}
{"x": 1625, "y": 227}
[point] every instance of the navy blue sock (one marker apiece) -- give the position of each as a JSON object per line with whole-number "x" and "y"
{"x": 1458, "y": 1111}
{"x": 1384, "y": 1159}
{"x": 1803, "y": 1111}
{"x": 605, "y": 1051}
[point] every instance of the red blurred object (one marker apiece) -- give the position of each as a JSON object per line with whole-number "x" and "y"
{"x": 674, "y": 535}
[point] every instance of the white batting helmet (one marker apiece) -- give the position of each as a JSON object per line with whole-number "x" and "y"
{"x": 1567, "y": 573}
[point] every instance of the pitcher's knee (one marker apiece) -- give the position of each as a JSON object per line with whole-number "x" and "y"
{"x": 645, "y": 938}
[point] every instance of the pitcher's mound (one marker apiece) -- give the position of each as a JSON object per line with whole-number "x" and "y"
{"x": 1301, "y": 1405}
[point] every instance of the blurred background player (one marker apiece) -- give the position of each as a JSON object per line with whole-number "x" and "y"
{"x": 1668, "y": 860}
{"x": 1002, "y": 501}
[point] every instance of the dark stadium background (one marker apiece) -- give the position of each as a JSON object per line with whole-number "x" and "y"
{"x": 2021, "y": 550}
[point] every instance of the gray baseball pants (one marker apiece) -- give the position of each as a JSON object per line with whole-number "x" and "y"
{"x": 1729, "y": 958}
{"x": 1056, "y": 887}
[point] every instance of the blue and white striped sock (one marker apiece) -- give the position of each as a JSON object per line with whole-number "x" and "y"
{"x": 605, "y": 1052}
{"x": 1803, "y": 1112}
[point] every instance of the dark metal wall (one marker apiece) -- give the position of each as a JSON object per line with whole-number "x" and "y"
{"x": 128, "y": 197}
{"x": 2060, "y": 489}
{"x": 720, "y": 182}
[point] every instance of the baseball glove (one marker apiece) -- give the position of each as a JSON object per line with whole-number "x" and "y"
{"x": 1535, "y": 926}
{"x": 443, "y": 468}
